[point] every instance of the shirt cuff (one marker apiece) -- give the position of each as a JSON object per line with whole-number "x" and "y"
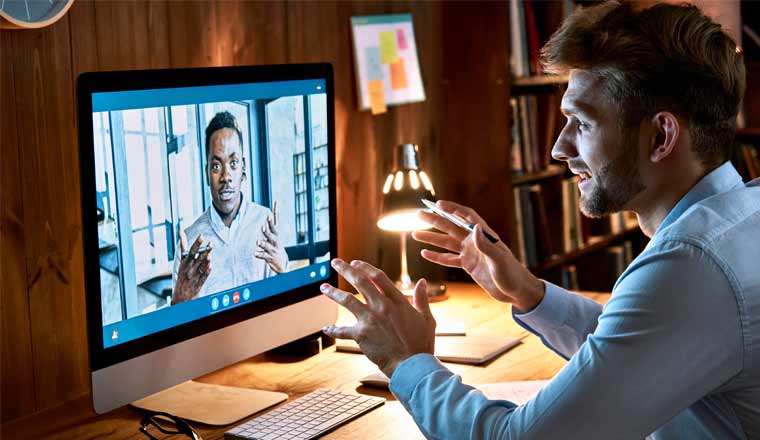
{"x": 550, "y": 313}
{"x": 410, "y": 372}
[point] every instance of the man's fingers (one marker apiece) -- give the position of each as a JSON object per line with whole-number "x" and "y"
{"x": 444, "y": 241}
{"x": 271, "y": 236}
{"x": 420, "y": 299}
{"x": 196, "y": 245}
{"x": 265, "y": 246}
{"x": 462, "y": 211}
{"x": 182, "y": 241}
{"x": 358, "y": 279}
{"x": 442, "y": 224}
{"x": 274, "y": 210}
{"x": 483, "y": 244}
{"x": 205, "y": 270}
{"x": 442, "y": 258}
{"x": 340, "y": 332}
{"x": 269, "y": 258}
{"x": 380, "y": 279}
{"x": 345, "y": 299}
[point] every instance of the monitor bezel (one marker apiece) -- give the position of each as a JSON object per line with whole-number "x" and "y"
{"x": 94, "y": 82}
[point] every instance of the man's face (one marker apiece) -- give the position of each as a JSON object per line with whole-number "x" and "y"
{"x": 225, "y": 170}
{"x": 604, "y": 156}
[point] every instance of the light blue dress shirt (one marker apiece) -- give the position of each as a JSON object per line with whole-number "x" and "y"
{"x": 233, "y": 249}
{"x": 674, "y": 354}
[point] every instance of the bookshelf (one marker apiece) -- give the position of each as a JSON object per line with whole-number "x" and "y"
{"x": 594, "y": 244}
{"x": 549, "y": 235}
{"x": 549, "y": 172}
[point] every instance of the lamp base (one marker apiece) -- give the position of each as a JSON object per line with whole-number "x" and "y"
{"x": 435, "y": 291}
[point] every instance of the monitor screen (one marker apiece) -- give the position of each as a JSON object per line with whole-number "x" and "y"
{"x": 214, "y": 200}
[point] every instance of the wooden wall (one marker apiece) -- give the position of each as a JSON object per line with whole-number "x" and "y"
{"x": 461, "y": 127}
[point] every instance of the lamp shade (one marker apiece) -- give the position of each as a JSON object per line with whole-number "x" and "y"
{"x": 404, "y": 186}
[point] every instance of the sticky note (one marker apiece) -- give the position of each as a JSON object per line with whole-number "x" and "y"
{"x": 373, "y": 63}
{"x": 388, "y": 50}
{"x": 398, "y": 75}
{"x": 376, "y": 96}
{"x": 401, "y": 39}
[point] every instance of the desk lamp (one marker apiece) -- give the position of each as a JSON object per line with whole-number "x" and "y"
{"x": 403, "y": 190}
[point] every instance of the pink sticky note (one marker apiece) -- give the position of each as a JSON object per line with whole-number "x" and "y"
{"x": 401, "y": 39}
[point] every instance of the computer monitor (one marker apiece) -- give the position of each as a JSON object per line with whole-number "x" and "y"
{"x": 206, "y": 152}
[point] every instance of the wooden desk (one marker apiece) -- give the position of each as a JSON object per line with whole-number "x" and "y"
{"x": 329, "y": 369}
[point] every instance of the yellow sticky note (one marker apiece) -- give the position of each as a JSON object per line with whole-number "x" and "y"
{"x": 388, "y": 49}
{"x": 398, "y": 75}
{"x": 376, "y": 96}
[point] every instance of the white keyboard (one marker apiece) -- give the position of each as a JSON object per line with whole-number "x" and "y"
{"x": 307, "y": 417}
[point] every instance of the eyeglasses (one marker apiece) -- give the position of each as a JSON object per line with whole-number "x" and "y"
{"x": 168, "y": 424}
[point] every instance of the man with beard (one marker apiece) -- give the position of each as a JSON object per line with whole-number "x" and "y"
{"x": 651, "y": 111}
{"x": 244, "y": 236}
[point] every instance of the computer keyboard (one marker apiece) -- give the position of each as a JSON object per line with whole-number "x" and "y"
{"x": 307, "y": 417}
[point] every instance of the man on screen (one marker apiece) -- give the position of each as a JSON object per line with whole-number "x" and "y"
{"x": 242, "y": 235}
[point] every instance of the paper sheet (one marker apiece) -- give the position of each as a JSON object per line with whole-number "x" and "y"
{"x": 518, "y": 392}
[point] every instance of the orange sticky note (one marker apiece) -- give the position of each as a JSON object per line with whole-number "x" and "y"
{"x": 376, "y": 96}
{"x": 398, "y": 75}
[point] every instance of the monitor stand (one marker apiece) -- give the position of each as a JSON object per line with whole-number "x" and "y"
{"x": 210, "y": 404}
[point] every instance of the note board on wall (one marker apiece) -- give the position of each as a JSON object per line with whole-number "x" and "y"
{"x": 387, "y": 66}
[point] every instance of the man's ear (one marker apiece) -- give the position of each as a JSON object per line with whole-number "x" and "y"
{"x": 667, "y": 130}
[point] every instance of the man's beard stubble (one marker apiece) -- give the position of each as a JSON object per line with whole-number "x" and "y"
{"x": 616, "y": 184}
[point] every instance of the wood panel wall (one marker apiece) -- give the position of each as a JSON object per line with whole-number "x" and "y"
{"x": 461, "y": 128}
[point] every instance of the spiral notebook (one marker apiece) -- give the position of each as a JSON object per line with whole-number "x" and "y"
{"x": 470, "y": 349}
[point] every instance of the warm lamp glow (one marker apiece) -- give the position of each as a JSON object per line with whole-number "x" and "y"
{"x": 403, "y": 221}
{"x": 426, "y": 181}
{"x": 398, "y": 183}
{"x": 413, "y": 179}
{"x": 388, "y": 182}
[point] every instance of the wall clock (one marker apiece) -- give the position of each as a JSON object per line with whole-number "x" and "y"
{"x": 30, "y": 14}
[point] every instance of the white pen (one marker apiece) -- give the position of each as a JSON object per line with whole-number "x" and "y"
{"x": 456, "y": 220}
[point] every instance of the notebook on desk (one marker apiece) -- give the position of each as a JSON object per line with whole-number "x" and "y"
{"x": 471, "y": 349}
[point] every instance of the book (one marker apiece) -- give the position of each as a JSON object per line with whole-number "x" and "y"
{"x": 517, "y": 142}
{"x": 519, "y": 251}
{"x": 545, "y": 248}
{"x": 529, "y": 230}
{"x": 569, "y": 277}
{"x": 470, "y": 349}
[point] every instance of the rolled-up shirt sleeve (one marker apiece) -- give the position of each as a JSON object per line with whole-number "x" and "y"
{"x": 666, "y": 339}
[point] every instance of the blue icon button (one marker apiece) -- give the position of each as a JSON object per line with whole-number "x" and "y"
{"x": 246, "y": 295}
{"x": 226, "y": 300}
{"x": 215, "y": 303}
{"x": 323, "y": 271}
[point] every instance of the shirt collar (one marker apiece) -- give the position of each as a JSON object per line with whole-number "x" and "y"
{"x": 218, "y": 225}
{"x": 719, "y": 180}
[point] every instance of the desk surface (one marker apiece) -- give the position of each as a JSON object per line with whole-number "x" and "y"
{"x": 329, "y": 369}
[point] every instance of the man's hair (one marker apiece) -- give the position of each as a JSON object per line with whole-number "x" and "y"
{"x": 663, "y": 58}
{"x": 222, "y": 120}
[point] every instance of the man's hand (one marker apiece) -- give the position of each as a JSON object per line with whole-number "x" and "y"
{"x": 270, "y": 249}
{"x": 194, "y": 269}
{"x": 388, "y": 328}
{"x": 491, "y": 265}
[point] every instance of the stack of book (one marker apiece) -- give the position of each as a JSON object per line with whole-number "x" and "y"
{"x": 531, "y": 24}
{"x": 534, "y": 237}
{"x": 531, "y": 145}
{"x": 543, "y": 228}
